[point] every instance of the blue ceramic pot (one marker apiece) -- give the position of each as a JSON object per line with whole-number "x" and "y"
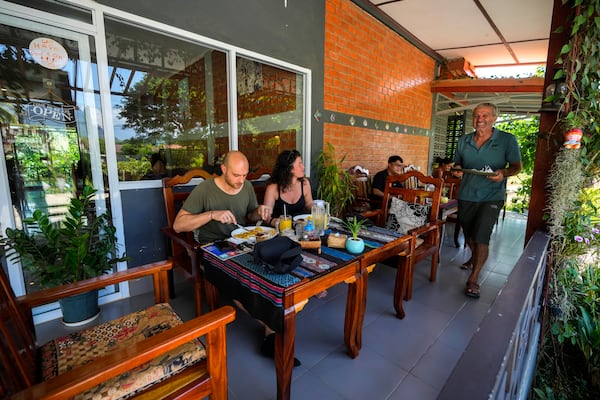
{"x": 80, "y": 309}
{"x": 355, "y": 246}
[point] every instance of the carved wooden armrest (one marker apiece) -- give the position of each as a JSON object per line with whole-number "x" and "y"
{"x": 85, "y": 377}
{"x": 157, "y": 270}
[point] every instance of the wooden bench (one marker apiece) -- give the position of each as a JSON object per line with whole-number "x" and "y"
{"x": 117, "y": 355}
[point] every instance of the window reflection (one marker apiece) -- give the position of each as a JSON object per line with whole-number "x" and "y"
{"x": 169, "y": 98}
{"x": 270, "y": 111}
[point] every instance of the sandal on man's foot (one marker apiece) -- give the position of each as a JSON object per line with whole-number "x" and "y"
{"x": 467, "y": 266}
{"x": 472, "y": 290}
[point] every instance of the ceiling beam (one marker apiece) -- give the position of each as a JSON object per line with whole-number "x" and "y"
{"x": 513, "y": 85}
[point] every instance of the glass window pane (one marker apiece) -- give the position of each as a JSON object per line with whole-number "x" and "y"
{"x": 169, "y": 99}
{"x": 270, "y": 111}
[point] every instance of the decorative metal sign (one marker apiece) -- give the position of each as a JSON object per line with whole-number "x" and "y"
{"x": 40, "y": 112}
{"x": 48, "y": 53}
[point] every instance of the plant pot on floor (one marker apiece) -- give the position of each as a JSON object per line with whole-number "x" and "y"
{"x": 80, "y": 308}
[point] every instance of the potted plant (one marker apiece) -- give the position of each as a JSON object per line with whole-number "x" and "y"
{"x": 336, "y": 186}
{"x": 79, "y": 247}
{"x": 354, "y": 244}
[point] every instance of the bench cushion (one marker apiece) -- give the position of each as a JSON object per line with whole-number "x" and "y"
{"x": 67, "y": 352}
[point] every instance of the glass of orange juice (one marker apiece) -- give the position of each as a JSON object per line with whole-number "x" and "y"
{"x": 285, "y": 223}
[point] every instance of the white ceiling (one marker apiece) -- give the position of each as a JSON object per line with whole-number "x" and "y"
{"x": 485, "y": 32}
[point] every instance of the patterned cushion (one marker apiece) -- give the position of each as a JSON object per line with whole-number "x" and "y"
{"x": 404, "y": 216}
{"x": 68, "y": 352}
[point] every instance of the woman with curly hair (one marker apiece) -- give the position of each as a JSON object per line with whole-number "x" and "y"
{"x": 288, "y": 187}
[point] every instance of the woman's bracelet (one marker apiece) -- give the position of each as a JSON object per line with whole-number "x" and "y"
{"x": 211, "y": 218}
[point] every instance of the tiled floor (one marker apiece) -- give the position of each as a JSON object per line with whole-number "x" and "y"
{"x": 400, "y": 359}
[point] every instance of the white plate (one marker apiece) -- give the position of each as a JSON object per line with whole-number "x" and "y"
{"x": 301, "y": 217}
{"x": 474, "y": 171}
{"x": 249, "y": 235}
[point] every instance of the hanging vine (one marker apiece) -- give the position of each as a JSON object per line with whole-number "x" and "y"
{"x": 580, "y": 60}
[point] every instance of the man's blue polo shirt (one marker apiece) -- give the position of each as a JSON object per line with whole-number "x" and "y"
{"x": 497, "y": 153}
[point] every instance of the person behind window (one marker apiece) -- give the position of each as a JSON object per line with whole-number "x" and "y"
{"x": 288, "y": 186}
{"x": 158, "y": 169}
{"x": 481, "y": 197}
{"x": 395, "y": 167}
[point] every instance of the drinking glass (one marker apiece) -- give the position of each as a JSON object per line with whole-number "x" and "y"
{"x": 285, "y": 223}
{"x": 318, "y": 218}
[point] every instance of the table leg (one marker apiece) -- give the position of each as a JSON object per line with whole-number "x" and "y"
{"x": 212, "y": 295}
{"x": 456, "y": 233}
{"x": 355, "y": 314}
{"x": 284, "y": 356}
{"x": 401, "y": 284}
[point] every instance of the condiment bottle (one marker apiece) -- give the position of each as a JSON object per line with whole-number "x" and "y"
{"x": 309, "y": 231}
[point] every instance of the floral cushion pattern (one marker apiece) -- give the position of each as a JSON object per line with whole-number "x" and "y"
{"x": 403, "y": 216}
{"x": 67, "y": 352}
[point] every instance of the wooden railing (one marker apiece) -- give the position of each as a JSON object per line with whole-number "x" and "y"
{"x": 499, "y": 361}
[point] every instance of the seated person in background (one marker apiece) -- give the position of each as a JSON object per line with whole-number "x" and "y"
{"x": 395, "y": 167}
{"x": 216, "y": 205}
{"x": 288, "y": 186}
{"x": 444, "y": 165}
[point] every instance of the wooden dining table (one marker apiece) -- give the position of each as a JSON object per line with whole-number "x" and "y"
{"x": 275, "y": 299}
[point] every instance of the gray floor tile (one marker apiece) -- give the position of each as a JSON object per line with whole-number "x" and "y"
{"x": 437, "y": 363}
{"x": 400, "y": 359}
{"x": 412, "y": 387}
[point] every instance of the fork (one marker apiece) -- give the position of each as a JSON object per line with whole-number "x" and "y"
{"x": 243, "y": 227}
{"x": 259, "y": 223}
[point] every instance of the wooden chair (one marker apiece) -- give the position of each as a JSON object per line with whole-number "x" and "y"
{"x": 452, "y": 184}
{"x": 410, "y": 187}
{"x": 151, "y": 352}
{"x": 259, "y": 186}
{"x": 184, "y": 248}
{"x": 362, "y": 201}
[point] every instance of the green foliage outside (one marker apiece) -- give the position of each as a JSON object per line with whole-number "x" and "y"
{"x": 526, "y": 131}
{"x": 569, "y": 363}
{"x": 132, "y": 168}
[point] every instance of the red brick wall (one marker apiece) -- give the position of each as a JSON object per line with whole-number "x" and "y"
{"x": 371, "y": 72}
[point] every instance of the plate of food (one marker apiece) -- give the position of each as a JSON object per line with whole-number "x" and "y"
{"x": 253, "y": 233}
{"x": 302, "y": 217}
{"x": 483, "y": 171}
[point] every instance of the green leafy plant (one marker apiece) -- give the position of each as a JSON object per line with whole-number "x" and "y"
{"x": 335, "y": 183}
{"x": 81, "y": 246}
{"x": 354, "y": 225}
{"x": 580, "y": 59}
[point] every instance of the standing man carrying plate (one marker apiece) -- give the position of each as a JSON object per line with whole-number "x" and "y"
{"x": 481, "y": 197}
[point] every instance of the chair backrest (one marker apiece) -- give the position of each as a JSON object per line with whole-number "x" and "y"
{"x": 17, "y": 343}
{"x": 175, "y": 192}
{"x": 256, "y": 173}
{"x": 411, "y": 187}
{"x": 452, "y": 184}
{"x": 362, "y": 185}
{"x": 259, "y": 186}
